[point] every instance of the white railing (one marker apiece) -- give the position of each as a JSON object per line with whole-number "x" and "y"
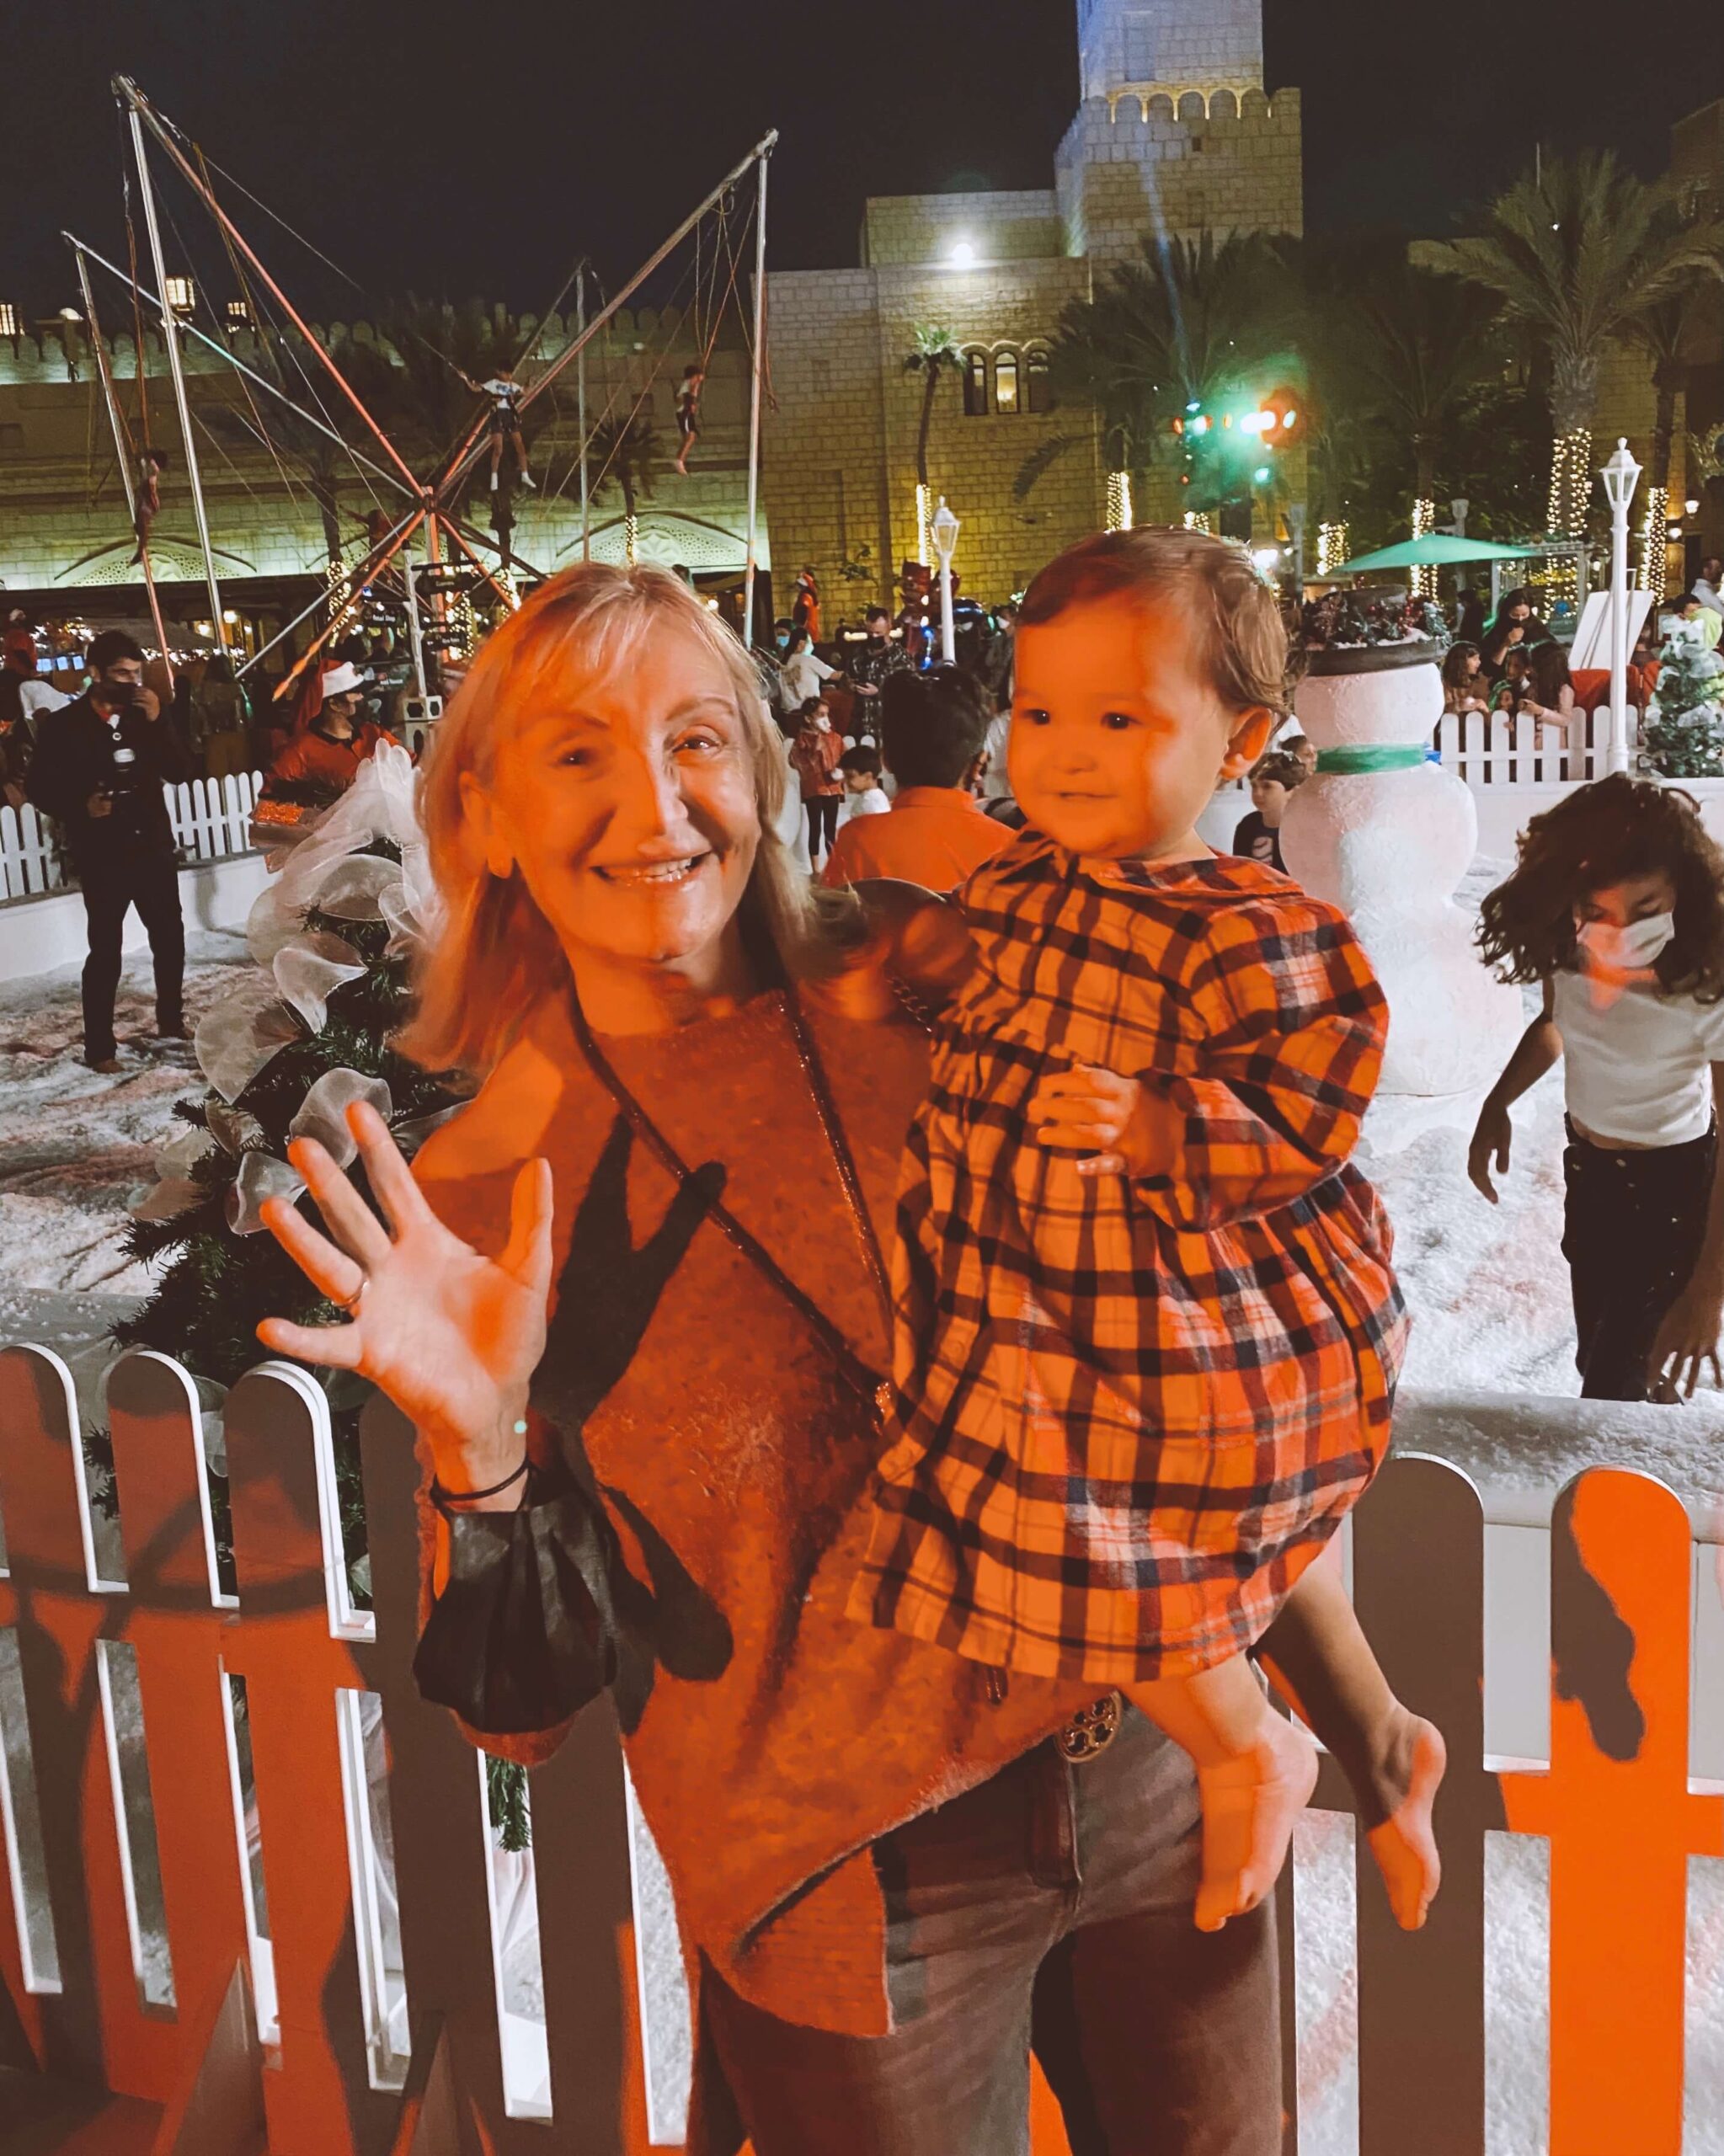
{"x": 1495, "y": 749}
{"x": 228, "y": 1818}
{"x": 1512, "y": 772}
{"x": 212, "y": 819}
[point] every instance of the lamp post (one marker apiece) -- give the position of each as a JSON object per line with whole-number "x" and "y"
{"x": 1620, "y": 476}
{"x": 944, "y": 532}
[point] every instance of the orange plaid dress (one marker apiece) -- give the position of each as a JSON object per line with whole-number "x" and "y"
{"x": 1126, "y": 1414}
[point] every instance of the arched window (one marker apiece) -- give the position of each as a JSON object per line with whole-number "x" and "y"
{"x": 1005, "y": 381}
{"x": 975, "y": 385}
{"x": 1039, "y": 380}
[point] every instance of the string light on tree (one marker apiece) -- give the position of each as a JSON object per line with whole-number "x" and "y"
{"x": 924, "y": 520}
{"x": 1334, "y": 547}
{"x": 1119, "y": 506}
{"x": 1199, "y": 520}
{"x": 1424, "y": 522}
{"x": 1655, "y": 543}
{"x": 1571, "y": 491}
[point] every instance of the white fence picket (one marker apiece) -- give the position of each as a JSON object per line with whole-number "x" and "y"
{"x": 1433, "y": 1593}
{"x": 1512, "y": 775}
{"x": 30, "y": 858}
{"x": 211, "y": 820}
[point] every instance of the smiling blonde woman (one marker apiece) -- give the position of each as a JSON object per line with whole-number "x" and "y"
{"x": 633, "y": 1298}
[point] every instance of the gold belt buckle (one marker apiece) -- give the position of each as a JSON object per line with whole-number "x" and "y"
{"x": 1091, "y": 1731}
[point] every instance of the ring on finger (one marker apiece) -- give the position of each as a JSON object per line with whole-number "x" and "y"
{"x": 351, "y": 1303}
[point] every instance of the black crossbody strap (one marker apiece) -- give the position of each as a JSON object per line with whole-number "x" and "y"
{"x": 866, "y": 1382}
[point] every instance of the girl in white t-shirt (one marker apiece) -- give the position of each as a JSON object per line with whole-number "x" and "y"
{"x": 1616, "y": 907}
{"x": 806, "y": 674}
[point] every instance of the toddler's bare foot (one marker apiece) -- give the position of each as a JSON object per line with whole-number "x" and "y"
{"x": 1250, "y": 1803}
{"x": 1406, "y": 1774}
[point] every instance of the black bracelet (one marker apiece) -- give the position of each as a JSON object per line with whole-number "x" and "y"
{"x": 442, "y": 1499}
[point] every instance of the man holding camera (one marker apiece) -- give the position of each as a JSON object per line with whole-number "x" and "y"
{"x": 98, "y": 769}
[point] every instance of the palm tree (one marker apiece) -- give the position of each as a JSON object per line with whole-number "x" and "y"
{"x": 932, "y": 354}
{"x": 301, "y": 452}
{"x": 1181, "y": 327}
{"x": 417, "y": 387}
{"x": 1665, "y": 333}
{"x": 624, "y": 452}
{"x": 1579, "y": 254}
{"x": 1419, "y": 347}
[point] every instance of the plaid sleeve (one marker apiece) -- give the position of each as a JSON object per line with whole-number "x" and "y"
{"x": 1294, "y": 1024}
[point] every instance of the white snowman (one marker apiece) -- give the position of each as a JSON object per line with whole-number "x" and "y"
{"x": 1388, "y": 835}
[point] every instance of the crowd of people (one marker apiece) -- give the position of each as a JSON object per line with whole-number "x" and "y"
{"x": 1020, "y": 1442}
{"x": 1133, "y": 1073}
{"x": 96, "y": 764}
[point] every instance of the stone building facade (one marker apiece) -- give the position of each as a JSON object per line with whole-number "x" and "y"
{"x": 1175, "y": 132}
{"x": 64, "y": 531}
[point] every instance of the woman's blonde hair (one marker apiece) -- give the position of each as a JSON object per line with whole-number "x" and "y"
{"x": 496, "y": 958}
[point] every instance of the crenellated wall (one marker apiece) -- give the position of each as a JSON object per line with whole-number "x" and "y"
{"x": 1132, "y": 42}
{"x": 1178, "y": 161}
{"x": 63, "y": 522}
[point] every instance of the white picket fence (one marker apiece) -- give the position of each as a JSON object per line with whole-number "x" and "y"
{"x": 212, "y": 819}
{"x": 1513, "y": 770}
{"x": 246, "y": 1857}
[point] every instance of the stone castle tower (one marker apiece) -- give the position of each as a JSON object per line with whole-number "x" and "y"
{"x": 1126, "y": 45}
{"x": 1177, "y": 131}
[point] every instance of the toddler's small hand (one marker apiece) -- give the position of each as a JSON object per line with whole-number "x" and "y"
{"x": 1098, "y": 1112}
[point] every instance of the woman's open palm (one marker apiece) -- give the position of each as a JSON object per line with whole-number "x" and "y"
{"x": 452, "y": 1337}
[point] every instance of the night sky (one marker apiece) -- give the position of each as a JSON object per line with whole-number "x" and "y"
{"x": 483, "y": 156}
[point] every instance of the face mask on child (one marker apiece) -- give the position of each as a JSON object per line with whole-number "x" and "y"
{"x": 1629, "y": 949}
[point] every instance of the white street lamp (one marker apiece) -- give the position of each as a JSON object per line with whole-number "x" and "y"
{"x": 944, "y": 532}
{"x": 1620, "y": 476}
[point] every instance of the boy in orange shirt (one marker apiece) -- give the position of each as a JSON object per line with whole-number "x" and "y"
{"x": 934, "y": 730}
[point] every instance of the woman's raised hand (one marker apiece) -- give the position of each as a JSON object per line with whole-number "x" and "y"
{"x": 452, "y": 1337}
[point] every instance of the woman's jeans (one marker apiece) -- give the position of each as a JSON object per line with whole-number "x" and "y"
{"x": 1050, "y": 1909}
{"x": 1633, "y": 1225}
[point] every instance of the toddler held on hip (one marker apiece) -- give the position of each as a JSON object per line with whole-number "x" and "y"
{"x": 1147, "y": 1332}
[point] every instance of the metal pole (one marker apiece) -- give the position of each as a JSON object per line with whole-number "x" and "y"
{"x": 948, "y": 633}
{"x": 170, "y": 331}
{"x": 122, "y": 452}
{"x": 413, "y": 626}
{"x": 377, "y": 560}
{"x": 467, "y": 455}
{"x": 754, "y": 416}
{"x": 580, "y": 377}
{"x": 263, "y": 381}
{"x": 141, "y": 107}
{"x": 1619, "y": 627}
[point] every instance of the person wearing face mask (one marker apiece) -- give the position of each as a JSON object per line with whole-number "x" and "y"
{"x": 328, "y": 749}
{"x": 1616, "y": 909}
{"x": 878, "y": 658}
{"x": 813, "y": 757}
{"x": 98, "y": 771}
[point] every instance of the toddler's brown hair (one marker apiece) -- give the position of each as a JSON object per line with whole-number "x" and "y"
{"x": 1241, "y": 636}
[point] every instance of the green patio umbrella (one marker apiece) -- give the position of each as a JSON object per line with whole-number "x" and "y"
{"x": 1435, "y": 547}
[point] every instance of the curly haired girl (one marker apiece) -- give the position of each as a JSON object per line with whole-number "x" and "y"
{"x": 1616, "y": 910}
